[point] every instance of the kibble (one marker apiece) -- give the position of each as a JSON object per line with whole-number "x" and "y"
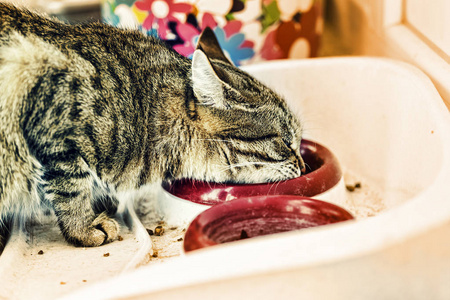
{"x": 159, "y": 230}
{"x": 350, "y": 188}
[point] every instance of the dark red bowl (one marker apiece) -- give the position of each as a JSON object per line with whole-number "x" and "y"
{"x": 257, "y": 216}
{"x": 323, "y": 173}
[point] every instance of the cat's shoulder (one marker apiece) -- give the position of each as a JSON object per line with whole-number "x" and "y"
{"x": 13, "y": 11}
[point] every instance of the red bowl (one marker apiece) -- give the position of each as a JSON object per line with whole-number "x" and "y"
{"x": 257, "y": 216}
{"x": 323, "y": 173}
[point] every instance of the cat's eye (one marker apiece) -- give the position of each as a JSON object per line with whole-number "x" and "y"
{"x": 288, "y": 141}
{"x": 288, "y": 144}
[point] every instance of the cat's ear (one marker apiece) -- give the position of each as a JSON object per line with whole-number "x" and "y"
{"x": 208, "y": 43}
{"x": 207, "y": 86}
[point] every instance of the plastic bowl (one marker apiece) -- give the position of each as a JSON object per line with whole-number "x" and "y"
{"x": 181, "y": 200}
{"x": 257, "y": 216}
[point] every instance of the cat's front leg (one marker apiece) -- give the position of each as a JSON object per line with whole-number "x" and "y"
{"x": 83, "y": 205}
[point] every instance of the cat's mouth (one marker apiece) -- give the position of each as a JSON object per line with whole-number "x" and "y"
{"x": 322, "y": 172}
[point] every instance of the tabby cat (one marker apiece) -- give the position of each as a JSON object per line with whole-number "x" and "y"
{"x": 90, "y": 110}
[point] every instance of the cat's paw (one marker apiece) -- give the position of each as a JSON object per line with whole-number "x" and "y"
{"x": 102, "y": 230}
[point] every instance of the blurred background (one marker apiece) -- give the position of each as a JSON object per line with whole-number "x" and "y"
{"x": 251, "y": 31}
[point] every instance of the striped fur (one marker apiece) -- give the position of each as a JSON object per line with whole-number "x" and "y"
{"x": 90, "y": 110}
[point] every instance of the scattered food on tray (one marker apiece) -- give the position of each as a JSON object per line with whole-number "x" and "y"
{"x": 150, "y": 232}
{"x": 40, "y": 252}
{"x": 120, "y": 238}
{"x": 159, "y": 230}
{"x": 352, "y": 187}
{"x": 106, "y": 254}
{"x": 363, "y": 200}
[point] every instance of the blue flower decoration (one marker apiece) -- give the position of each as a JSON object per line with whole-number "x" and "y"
{"x": 233, "y": 46}
{"x": 151, "y": 32}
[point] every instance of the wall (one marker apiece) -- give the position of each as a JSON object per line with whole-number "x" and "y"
{"x": 395, "y": 29}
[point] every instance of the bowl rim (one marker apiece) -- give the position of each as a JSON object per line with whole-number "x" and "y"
{"x": 195, "y": 238}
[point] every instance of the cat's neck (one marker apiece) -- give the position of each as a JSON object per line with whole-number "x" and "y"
{"x": 174, "y": 136}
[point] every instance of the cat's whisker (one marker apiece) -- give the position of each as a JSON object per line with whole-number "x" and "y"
{"x": 275, "y": 184}
{"x": 278, "y": 167}
{"x": 214, "y": 140}
{"x": 275, "y": 166}
{"x": 272, "y": 184}
{"x": 307, "y": 166}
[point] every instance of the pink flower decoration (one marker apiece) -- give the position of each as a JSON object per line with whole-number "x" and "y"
{"x": 248, "y": 44}
{"x": 189, "y": 34}
{"x": 161, "y": 12}
{"x": 208, "y": 21}
{"x": 230, "y": 38}
{"x": 270, "y": 49}
{"x": 232, "y": 27}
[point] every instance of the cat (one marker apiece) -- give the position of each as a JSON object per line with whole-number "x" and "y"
{"x": 89, "y": 110}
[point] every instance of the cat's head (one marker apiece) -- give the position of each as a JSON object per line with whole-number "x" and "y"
{"x": 248, "y": 132}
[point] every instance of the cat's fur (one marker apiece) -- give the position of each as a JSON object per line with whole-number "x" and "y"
{"x": 89, "y": 110}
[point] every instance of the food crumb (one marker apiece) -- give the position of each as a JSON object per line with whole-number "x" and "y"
{"x": 62, "y": 283}
{"x": 350, "y": 188}
{"x": 173, "y": 228}
{"x": 106, "y": 254}
{"x": 120, "y": 238}
{"x": 180, "y": 239}
{"x": 84, "y": 280}
{"x": 40, "y": 252}
{"x": 150, "y": 232}
{"x": 159, "y": 230}
{"x": 155, "y": 254}
{"x": 244, "y": 235}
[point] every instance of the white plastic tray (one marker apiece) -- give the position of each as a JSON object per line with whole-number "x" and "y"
{"x": 389, "y": 128}
{"x": 387, "y": 124}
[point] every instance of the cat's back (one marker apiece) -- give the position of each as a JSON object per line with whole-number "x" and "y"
{"x": 96, "y": 42}
{"x": 31, "y": 47}
{"x": 13, "y": 18}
